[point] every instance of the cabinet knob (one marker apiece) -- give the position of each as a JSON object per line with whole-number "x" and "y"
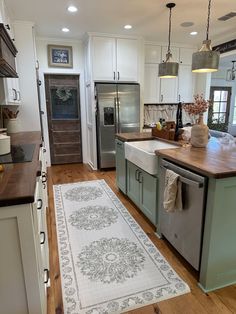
{"x": 44, "y": 177}
{"x": 8, "y": 26}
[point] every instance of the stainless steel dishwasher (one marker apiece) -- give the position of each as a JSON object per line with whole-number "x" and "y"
{"x": 183, "y": 229}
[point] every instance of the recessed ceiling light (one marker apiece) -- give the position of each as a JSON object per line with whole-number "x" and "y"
{"x": 193, "y": 33}
{"x": 72, "y": 9}
{"x": 187, "y": 24}
{"x": 128, "y": 26}
{"x": 65, "y": 29}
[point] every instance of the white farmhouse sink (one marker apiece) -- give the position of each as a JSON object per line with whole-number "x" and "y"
{"x": 142, "y": 153}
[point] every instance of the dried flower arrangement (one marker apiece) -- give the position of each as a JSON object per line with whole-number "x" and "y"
{"x": 199, "y": 106}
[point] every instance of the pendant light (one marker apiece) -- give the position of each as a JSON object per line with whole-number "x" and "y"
{"x": 169, "y": 68}
{"x": 206, "y": 60}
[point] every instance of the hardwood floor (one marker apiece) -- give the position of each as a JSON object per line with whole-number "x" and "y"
{"x": 222, "y": 301}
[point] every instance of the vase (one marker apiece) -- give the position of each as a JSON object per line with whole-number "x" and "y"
{"x": 199, "y": 133}
{"x": 13, "y": 125}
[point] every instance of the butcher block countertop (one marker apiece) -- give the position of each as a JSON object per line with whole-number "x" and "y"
{"x": 130, "y": 137}
{"x": 216, "y": 160}
{"x": 18, "y": 180}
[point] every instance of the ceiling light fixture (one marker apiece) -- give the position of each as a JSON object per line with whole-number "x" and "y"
{"x": 65, "y": 29}
{"x": 72, "y": 9}
{"x": 168, "y": 69}
{"x": 231, "y": 73}
{"x": 193, "y": 33}
{"x": 206, "y": 60}
{"x": 128, "y": 26}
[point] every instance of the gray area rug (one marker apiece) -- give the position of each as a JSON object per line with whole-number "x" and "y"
{"x": 107, "y": 262}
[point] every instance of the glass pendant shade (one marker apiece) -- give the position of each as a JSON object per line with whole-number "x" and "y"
{"x": 168, "y": 69}
{"x": 205, "y": 60}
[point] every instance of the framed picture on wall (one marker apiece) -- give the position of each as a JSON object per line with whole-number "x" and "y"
{"x": 60, "y": 56}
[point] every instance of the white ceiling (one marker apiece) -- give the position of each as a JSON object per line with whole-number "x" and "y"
{"x": 148, "y": 17}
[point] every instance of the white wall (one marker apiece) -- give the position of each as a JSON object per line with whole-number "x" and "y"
{"x": 78, "y": 68}
{"x": 28, "y": 110}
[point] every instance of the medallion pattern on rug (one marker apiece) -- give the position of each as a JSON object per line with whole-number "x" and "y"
{"x": 83, "y": 193}
{"x": 111, "y": 260}
{"x": 116, "y": 268}
{"x": 93, "y": 217}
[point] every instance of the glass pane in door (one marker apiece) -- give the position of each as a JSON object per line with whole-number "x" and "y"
{"x": 64, "y": 103}
{"x": 217, "y": 95}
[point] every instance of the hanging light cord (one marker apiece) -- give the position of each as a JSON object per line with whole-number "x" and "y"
{"x": 168, "y": 50}
{"x": 208, "y": 19}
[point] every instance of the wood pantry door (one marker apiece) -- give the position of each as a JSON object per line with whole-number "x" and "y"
{"x": 64, "y": 121}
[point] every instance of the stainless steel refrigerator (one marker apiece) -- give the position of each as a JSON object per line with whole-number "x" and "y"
{"x": 118, "y": 111}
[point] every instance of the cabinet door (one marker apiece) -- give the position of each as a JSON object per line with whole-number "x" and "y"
{"x": 185, "y": 55}
{"x": 151, "y": 84}
{"x": 127, "y": 60}
{"x": 133, "y": 185}
{"x": 168, "y": 91}
{"x": 186, "y": 83}
{"x": 152, "y": 54}
{"x": 120, "y": 166}
{"x": 174, "y": 51}
{"x": 103, "y": 59}
{"x": 148, "y": 196}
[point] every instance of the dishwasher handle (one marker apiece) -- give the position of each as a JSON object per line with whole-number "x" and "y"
{"x": 187, "y": 181}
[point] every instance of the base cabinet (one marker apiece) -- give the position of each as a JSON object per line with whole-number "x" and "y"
{"x": 24, "y": 265}
{"x": 142, "y": 190}
{"x": 120, "y": 166}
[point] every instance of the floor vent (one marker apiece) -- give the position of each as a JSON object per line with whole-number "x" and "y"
{"x": 227, "y": 16}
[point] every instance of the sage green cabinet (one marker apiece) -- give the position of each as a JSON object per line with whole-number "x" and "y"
{"x": 120, "y": 166}
{"x": 142, "y": 190}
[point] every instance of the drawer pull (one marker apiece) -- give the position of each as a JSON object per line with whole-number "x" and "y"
{"x": 39, "y": 204}
{"x": 42, "y": 233}
{"x": 44, "y": 150}
{"x": 46, "y": 272}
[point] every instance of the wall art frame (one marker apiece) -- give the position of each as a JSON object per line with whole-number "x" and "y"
{"x": 60, "y": 56}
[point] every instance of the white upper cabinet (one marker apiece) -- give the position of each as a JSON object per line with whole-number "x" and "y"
{"x": 152, "y": 53}
{"x": 185, "y": 55}
{"x": 151, "y": 84}
{"x": 115, "y": 59}
{"x": 104, "y": 58}
{"x": 174, "y": 52}
{"x": 127, "y": 59}
{"x": 186, "y": 82}
{"x": 4, "y": 18}
{"x": 169, "y": 90}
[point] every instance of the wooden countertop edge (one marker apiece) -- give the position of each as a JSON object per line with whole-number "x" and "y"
{"x": 33, "y": 169}
{"x": 216, "y": 175}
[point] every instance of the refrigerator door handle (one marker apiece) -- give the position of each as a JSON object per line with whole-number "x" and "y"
{"x": 116, "y": 115}
{"x": 118, "y": 111}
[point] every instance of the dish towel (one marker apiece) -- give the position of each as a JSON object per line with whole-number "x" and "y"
{"x": 173, "y": 192}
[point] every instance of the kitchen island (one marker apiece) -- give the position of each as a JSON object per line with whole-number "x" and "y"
{"x": 217, "y": 162}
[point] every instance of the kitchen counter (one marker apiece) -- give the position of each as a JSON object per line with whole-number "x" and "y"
{"x": 17, "y": 181}
{"x": 128, "y": 137}
{"x": 216, "y": 160}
